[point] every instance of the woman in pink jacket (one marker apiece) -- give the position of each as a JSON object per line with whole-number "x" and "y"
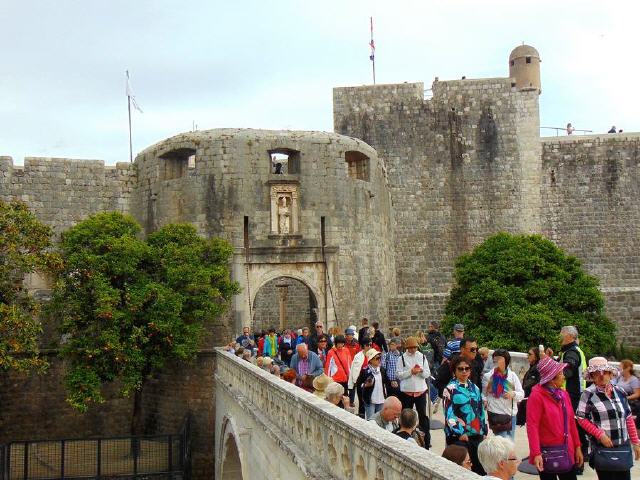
{"x": 550, "y": 423}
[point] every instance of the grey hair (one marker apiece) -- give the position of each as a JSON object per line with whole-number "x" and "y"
{"x": 334, "y": 390}
{"x": 494, "y": 450}
{"x": 570, "y": 330}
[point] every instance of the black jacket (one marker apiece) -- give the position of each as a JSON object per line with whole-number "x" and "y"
{"x": 378, "y": 339}
{"x": 367, "y": 391}
{"x": 572, "y": 372}
{"x": 444, "y": 374}
{"x": 438, "y": 342}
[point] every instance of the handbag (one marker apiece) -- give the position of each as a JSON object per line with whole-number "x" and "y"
{"x": 613, "y": 459}
{"x": 499, "y": 422}
{"x": 556, "y": 458}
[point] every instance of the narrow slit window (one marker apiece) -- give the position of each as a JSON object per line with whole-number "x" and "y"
{"x": 528, "y": 59}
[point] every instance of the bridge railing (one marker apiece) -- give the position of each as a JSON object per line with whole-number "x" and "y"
{"x": 341, "y": 444}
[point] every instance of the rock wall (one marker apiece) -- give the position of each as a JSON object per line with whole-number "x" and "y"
{"x": 266, "y": 306}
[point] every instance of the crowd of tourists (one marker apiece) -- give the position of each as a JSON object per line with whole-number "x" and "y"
{"x": 574, "y": 411}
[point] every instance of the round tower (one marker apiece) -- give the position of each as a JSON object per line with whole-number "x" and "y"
{"x": 524, "y": 68}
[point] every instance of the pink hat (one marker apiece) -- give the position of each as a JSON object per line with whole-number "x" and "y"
{"x": 548, "y": 369}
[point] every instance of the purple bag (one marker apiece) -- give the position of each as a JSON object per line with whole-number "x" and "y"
{"x": 556, "y": 459}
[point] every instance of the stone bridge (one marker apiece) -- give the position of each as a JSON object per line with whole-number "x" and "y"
{"x": 266, "y": 428}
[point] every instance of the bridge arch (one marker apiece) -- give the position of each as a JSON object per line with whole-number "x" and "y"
{"x": 231, "y": 466}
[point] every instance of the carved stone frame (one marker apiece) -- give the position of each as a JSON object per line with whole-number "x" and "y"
{"x": 289, "y": 189}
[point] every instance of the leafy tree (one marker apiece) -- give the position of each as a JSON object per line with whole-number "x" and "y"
{"x": 129, "y": 306}
{"x": 517, "y": 291}
{"x": 24, "y": 249}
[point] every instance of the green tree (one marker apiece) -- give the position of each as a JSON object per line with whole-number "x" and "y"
{"x": 129, "y": 306}
{"x": 517, "y": 291}
{"x": 24, "y": 249}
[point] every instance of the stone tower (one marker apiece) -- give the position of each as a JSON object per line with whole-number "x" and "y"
{"x": 524, "y": 68}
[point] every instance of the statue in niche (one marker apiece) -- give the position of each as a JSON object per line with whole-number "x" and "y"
{"x": 284, "y": 214}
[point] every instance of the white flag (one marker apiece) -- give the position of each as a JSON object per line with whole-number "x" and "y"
{"x": 333, "y": 368}
{"x": 131, "y": 96}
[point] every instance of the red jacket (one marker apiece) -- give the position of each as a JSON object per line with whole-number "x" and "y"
{"x": 353, "y": 347}
{"x": 342, "y": 360}
{"x": 545, "y": 422}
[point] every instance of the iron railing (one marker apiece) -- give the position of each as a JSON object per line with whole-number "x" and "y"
{"x": 132, "y": 457}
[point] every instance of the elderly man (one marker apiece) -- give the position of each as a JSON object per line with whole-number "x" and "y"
{"x": 387, "y": 418}
{"x": 498, "y": 457}
{"x": 305, "y": 363}
{"x": 413, "y": 373}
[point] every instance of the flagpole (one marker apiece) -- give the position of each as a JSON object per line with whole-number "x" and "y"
{"x": 373, "y": 56}
{"x": 129, "y": 109}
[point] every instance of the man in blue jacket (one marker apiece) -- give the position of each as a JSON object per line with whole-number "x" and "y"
{"x": 305, "y": 362}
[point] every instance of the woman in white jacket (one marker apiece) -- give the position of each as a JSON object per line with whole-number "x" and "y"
{"x": 501, "y": 392}
{"x": 358, "y": 363}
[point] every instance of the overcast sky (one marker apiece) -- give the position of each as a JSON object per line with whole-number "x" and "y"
{"x": 273, "y": 63}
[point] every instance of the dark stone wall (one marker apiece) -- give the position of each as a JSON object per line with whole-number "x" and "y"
{"x": 266, "y": 306}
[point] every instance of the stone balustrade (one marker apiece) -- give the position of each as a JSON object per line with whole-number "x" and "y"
{"x": 324, "y": 440}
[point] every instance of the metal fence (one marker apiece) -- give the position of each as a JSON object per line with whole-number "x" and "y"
{"x": 135, "y": 457}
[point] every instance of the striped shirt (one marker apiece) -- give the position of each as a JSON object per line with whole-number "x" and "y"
{"x": 452, "y": 347}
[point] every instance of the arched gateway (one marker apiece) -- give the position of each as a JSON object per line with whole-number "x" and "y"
{"x": 284, "y": 302}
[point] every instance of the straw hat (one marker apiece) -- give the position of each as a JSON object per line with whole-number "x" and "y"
{"x": 320, "y": 383}
{"x": 372, "y": 353}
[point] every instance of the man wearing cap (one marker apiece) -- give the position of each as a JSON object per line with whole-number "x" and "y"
{"x": 413, "y": 373}
{"x": 390, "y": 364}
{"x": 351, "y": 343}
{"x": 454, "y": 345}
{"x": 338, "y": 362}
{"x": 359, "y": 362}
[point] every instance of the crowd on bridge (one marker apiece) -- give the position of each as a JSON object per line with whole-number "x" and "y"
{"x": 574, "y": 411}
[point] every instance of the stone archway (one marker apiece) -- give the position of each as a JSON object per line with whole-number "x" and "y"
{"x": 284, "y": 302}
{"x": 231, "y": 466}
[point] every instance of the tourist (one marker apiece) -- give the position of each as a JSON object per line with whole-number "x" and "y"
{"x": 549, "y": 423}
{"x": 338, "y": 362}
{"x": 372, "y": 380}
{"x": 364, "y": 330}
{"x": 289, "y": 376}
{"x": 387, "y": 418}
{"x": 454, "y": 345}
{"x": 604, "y": 413}
{"x": 371, "y": 332}
{"x": 408, "y": 430}
{"x": 359, "y": 362}
{"x": 413, "y": 373}
{"x": 335, "y": 393}
{"x": 395, "y": 336}
{"x": 424, "y": 347}
{"x": 570, "y": 129}
{"x": 287, "y": 340}
{"x": 351, "y": 343}
{"x": 320, "y": 383}
{"x": 458, "y": 454}
{"x": 531, "y": 378}
{"x": 502, "y": 391}
{"x": 355, "y": 331}
{"x": 321, "y": 348}
{"x": 246, "y": 340}
{"x": 390, "y": 365}
{"x": 498, "y": 457}
{"x": 270, "y": 348}
{"x": 437, "y": 341}
{"x": 463, "y": 411}
{"x": 305, "y": 363}
{"x": 630, "y": 384}
{"x": 260, "y": 342}
{"x": 468, "y": 351}
{"x": 304, "y": 337}
{"x": 246, "y": 355}
{"x": 612, "y": 129}
{"x": 315, "y": 336}
{"x": 483, "y": 353}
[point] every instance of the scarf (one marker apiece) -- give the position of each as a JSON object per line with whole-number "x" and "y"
{"x": 556, "y": 393}
{"x": 498, "y": 383}
{"x": 607, "y": 390}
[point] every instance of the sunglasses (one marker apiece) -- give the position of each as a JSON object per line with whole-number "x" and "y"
{"x": 463, "y": 369}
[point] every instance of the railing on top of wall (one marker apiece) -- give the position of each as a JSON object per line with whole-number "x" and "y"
{"x": 340, "y": 442}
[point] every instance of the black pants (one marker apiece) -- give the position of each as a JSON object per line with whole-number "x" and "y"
{"x": 558, "y": 476}
{"x": 613, "y": 475}
{"x": 420, "y": 403}
{"x": 472, "y": 447}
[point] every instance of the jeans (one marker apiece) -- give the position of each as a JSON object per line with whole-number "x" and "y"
{"x": 512, "y": 433}
{"x": 370, "y": 409}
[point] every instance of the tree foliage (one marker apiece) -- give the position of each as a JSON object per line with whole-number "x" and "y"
{"x": 128, "y": 306}
{"x": 517, "y": 291}
{"x": 24, "y": 249}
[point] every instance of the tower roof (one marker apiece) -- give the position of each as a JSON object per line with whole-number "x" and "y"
{"x": 524, "y": 51}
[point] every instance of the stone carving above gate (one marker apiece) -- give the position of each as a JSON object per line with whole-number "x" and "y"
{"x": 285, "y": 208}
